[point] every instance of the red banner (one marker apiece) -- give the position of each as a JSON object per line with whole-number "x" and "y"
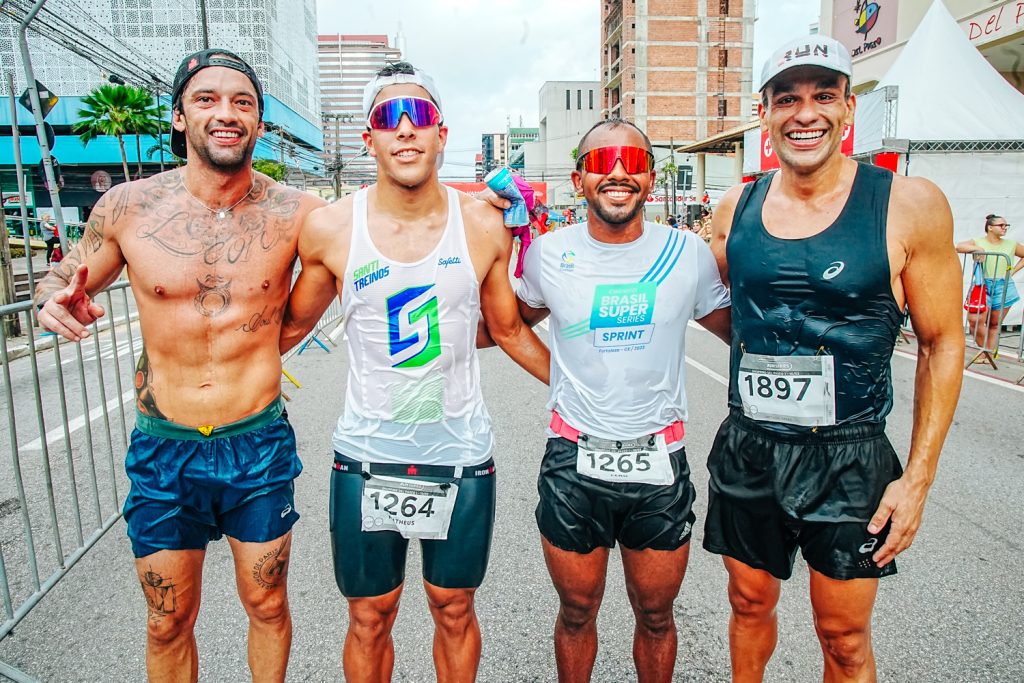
{"x": 770, "y": 160}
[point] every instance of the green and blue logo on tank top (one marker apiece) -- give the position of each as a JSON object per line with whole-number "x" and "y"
{"x": 413, "y": 324}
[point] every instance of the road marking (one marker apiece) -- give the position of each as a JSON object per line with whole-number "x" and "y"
{"x": 55, "y": 435}
{"x": 972, "y": 374}
{"x": 708, "y": 371}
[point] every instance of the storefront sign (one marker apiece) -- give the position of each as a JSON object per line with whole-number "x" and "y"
{"x": 13, "y": 200}
{"x": 864, "y": 25}
{"x": 995, "y": 23}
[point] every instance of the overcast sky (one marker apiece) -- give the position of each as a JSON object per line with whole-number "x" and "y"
{"x": 490, "y": 57}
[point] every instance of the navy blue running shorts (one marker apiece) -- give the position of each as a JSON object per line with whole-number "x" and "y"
{"x": 770, "y": 494}
{"x": 188, "y": 491}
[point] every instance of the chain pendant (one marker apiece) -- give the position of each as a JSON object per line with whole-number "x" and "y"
{"x": 221, "y": 215}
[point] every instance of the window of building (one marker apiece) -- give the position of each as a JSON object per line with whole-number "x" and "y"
{"x": 568, "y": 100}
{"x": 722, "y": 107}
{"x": 579, "y": 99}
{"x": 591, "y": 99}
{"x": 723, "y": 57}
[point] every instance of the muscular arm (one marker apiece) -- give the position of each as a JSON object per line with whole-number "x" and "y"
{"x": 968, "y": 247}
{"x": 316, "y": 285}
{"x": 721, "y": 224}
{"x": 500, "y": 308}
{"x": 65, "y": 294}
{"x": 931, "y": 281}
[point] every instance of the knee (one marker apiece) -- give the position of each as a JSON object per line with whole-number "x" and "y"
{"x": 657, "y": 620}
{"x": 453, "y": 610}
{"x": 167, "y": 629}
{"x": 269, "y": 607}
{"x": 752, "y": 601}
{"x": 578, "y": 611}
{"x": 370, "y": 618}
{"x": 849, "y": 648}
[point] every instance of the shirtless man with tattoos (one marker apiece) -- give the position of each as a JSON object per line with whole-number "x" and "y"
{"x": 209, "y": 249}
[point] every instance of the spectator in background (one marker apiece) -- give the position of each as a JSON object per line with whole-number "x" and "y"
{"x": 998, "y": 277}
{"x": 671, "y": 221}
{"x": 49, "y": 233}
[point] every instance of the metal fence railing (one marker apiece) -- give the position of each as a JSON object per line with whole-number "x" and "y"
{"x": 62, "y": 491}
{"x": 983, "y": 325}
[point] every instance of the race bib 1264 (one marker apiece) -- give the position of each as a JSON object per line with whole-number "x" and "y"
{"x": 413, "y": 508}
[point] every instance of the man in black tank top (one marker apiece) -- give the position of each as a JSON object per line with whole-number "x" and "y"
{"x": 823, "y": 257}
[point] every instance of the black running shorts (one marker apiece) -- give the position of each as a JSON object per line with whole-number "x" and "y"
{"x": 578, "y": 514}
{"x": 770, "y": 494}
{"x": 368, "y": 564}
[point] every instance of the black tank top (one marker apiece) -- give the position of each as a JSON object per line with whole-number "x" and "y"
{"x": 829, "y": 293}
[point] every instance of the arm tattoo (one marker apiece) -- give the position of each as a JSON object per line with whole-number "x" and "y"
{"x": 161, "y": 594}
{"x": 261, "y": 319}
{"x": 271, "y": 570}
{"x": 146, "y": 399}
{"x": 214, "y": 296}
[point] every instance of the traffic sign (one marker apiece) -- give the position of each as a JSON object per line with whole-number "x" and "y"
{"x": 47, "y": 99}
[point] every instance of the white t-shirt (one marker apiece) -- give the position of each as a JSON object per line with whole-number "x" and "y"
{"x": 618, "y": 323}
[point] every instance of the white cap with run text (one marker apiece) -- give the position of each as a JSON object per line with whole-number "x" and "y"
{"x": 812, "y": 50}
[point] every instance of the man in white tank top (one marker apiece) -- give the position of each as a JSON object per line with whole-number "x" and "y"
{"x": 415, "y": 264}
{"x": 620, "y": 293}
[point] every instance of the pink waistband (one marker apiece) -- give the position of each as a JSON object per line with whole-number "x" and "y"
{"x": 673, "y": 433}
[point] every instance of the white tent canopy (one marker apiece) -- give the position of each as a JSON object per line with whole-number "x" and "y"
{"x": 947, "y": 90}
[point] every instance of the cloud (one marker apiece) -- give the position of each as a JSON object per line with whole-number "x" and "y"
{"x": 489, "y": 58}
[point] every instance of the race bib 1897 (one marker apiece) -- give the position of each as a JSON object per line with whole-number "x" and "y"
{"x": 413, "y": 508}
{"x": 796, "y": 390}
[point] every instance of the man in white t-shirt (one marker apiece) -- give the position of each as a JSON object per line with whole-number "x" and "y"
{"x": 620, "y": 292}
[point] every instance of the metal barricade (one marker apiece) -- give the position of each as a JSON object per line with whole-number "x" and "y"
{"x": 983, "y": 328}
{"x": 62, "y": 492}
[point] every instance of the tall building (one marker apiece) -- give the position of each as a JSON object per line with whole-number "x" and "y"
{"x": 347, "y": 63}
{"x": 567, "y": 110}
{"x": 494, "y": 150}
{"x": 875, "y": 33}
{"x": 679, "y": 69}
{"x": 517, "y": 137}
{"x": 141, "y": 43}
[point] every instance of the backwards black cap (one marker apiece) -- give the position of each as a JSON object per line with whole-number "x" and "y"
{"x": 195, "y": 63}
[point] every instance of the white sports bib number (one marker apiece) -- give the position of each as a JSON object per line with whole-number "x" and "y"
{"x": 413, "y": 508}
{"x": 632, "y": 461}
{"x": 796, "y": 390}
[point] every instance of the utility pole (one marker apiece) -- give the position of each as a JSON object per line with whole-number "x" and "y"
{"x": 675, "y": 175}
{"x": 37, "y": 112}
{"x": 202, "y": 22}
{"x": 22, "y": 192}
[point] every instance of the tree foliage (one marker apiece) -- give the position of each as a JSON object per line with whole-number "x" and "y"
{"x": 269, "y": 167}
{"x": 119, "y": 110}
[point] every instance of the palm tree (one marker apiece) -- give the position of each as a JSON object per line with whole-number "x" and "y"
{"x": 118, "y": 110}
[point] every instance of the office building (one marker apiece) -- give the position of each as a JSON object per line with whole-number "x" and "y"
{"x": 347, "y": 63}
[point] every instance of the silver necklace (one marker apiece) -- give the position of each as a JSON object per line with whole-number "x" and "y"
{"x": 222, "y": 212}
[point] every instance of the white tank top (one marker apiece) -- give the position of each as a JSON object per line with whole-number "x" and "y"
{"x": 413, "y": 391}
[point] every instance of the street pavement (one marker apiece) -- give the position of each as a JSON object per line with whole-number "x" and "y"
{"x": 951, "y": 614}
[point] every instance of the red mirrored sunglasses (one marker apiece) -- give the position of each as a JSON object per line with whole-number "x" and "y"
{"x": 602, "y": 160}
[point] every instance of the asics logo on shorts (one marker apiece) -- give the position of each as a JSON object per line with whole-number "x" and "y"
{"x": 866, "y": 548}
{"x": 833, "y": 269}
{"x": 286, "y": 511}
